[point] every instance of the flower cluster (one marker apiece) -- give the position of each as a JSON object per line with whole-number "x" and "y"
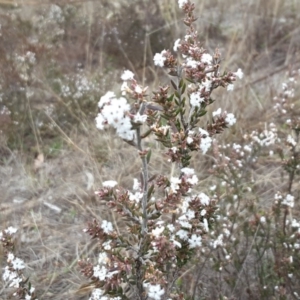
{"x": 13, "y": 273}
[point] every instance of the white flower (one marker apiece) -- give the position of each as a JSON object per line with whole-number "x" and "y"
{"x": 138, "y": 89}
{"x": 195, "y": 99}
{"x": 191, "y": 63}
{"x": 109, "y": 183}
{"x": 159, "y": 59}
{"x": 206, "y": 84}
{"x": 155, "y": 291}
{"x": 206, "y": 58}
{"x": 262, "y": 219}
{"x": 291, "y": 141}
{"x": 185, "y": 224}
{"x": 106, "y": 98}
{"x": 195, "y": 241}
{"x": 230, "y": 87}
{"x": 136, "y": 197}
{"x": 288, "y": 200}
{"x": 206, "y": 140}
{"x": 203, "y": 212}
{"x": 157, "y": 231}
{"x": 124, "y": 88}
{"x": 127, "y": 75}
{"x": 15, "y": 283}
{"x": 189, "y": 140}
{"x": 174, "y": 184}
{"x": 230, "y": 119}
{"x": 18, "y": 264}
{"x": 9, "y": 275}
{"x": 183, "y": 234}
{"x": 106, "y": 245}
{"x": 100, "y": 272}
{"x": 239, "y": 73}
{"x": 171, "y": 227}
{"x": 176, "y": 243}
{"x": 188, "y": 171}
{"x": 217, "y": 112}
{"x": 205, "y": 225}
{"x": 124, "y": 129}
{"x": 136, "y": 184}
{"x": 190, "y": 214}
{"x": 96, "y": 294}
{"x": 181, "y": 3}
{"x": 204, "y": 199}
{"x": 139, "y": 118}
{"x": 11, "y": 230}
{"x": 102, "y": 259}
{"x": 100, "y": 122}
{"x": 176, "y": 45}
{"x": 107, "y": 226}
{"x": 218, "y": 241}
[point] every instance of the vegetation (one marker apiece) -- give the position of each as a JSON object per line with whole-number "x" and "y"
{"x": 58, "y": 60}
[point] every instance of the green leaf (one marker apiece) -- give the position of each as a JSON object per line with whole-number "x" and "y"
{"x": 146, "y": 133}
{"x": 150, "y": 192}
{"x": 174, "y": 85}
{"x": 181, "y": 83}
{"x": 149, "y": 156}
{"x": 170, "y": 99}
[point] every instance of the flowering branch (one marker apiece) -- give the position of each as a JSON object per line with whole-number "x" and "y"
{"x": 165, "y": 219}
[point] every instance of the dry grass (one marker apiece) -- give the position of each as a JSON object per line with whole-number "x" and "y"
{"x": 52, "y": 201}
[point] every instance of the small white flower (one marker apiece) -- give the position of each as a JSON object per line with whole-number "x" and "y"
{"x": 230, "y": 119}
{"x": 205, "y": 225}
{"x": 195, "y": 241}
{"x": 138, "y": 89}
{"x": 157, "y": 231}
{"x": 181, "y": 3}
{"x": 206, "y": 84}
{"x": 139, "y": 118}
{"x": 183, "y": 234}
{"x": 11, "y": 230}
{"x": 191, "y": 63}
{"x": 100, "y": 272}
{"x": 188, "y": 171}
{"x": 106, "y": 98}
{"x": 289, "y": 200}
{"x": 106, "y": 245}
{"x": 239, "y": 73}
{"x": 107, "y": 226}
{"x": 159, "y": 59}
{"x": 171, "y": 227}
{"x": 155, "y": 291}
{"x": 291, "y": 141}
{"x": 190, "y": 214}
{"x": 174, "y": 184}
{"x": 217, "y": 112}
{"x": 262, "y": 219}
{"x": 124, "y": 88}
{"x": 189, "y": 140}
{"x": 18, "y": 264}
{"x": 230, "y": 87}
{"x": 204, "y": 199}
{"x": 96, "y": 294}
{"x": 206, "y": 140}
{"x": 127, "y": 75}
{"x": 206, "y": 58}
{"x": 196, "y": 100}
{"x": 176, "y": 45}
{"x": 109, "y": 183}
